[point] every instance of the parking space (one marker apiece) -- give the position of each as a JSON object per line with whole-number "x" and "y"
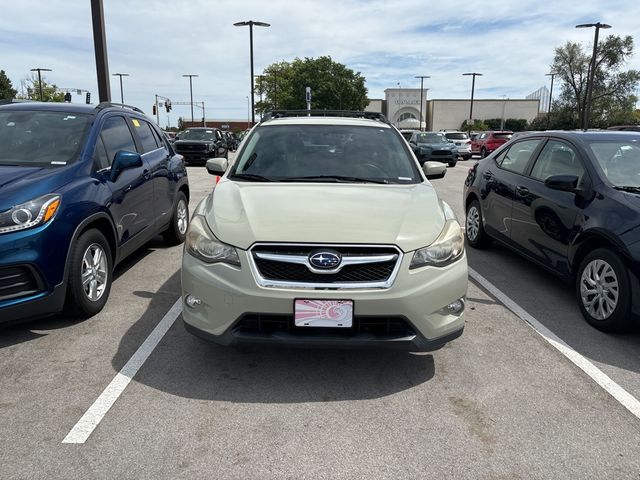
{"x": 499, "y": 402}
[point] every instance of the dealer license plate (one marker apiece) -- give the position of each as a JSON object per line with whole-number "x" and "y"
{"x": 323, "y": 313}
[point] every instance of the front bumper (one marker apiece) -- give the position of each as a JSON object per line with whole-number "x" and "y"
{"x": 228, "y": 295}
{"x": 449, "y": 159}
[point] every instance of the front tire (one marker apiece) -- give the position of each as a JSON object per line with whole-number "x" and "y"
{"x": 603, "y": 291}
{"x": 90, "y": 274}
{"x": 474, "y": 228}
{"x": 177, "y": 231}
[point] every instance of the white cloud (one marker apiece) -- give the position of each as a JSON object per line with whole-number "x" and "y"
{"x": 510, "y": 42}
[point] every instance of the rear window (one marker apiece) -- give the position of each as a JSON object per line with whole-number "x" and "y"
{"x": 288, "y": 152}
{"x": 619, "y": 160}
{"x": 503, "y": 136}
{"x": 457, "y": 136}
{"x": 41, "y": 138}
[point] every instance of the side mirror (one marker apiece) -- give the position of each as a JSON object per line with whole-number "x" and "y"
{"x": 217, "y": 166}
{"x": 124, "y": 160}
{"x": 177, "y": 137}
{"x": 565, "y": 183}
{"x": 434, "y": 170}
{"x": 413, "y": 144}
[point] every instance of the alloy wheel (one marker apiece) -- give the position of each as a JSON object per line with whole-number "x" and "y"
{"x": 183, "y": 216}
{"x": 599, "y": 289}
{"x": 94, "y": 272}
{"x": 473, "y": 223}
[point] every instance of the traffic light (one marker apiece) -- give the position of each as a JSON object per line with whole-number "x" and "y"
{"x": 167, "y": 105}
{"x": 67, "y": 97}
{"x": 154, "y": 109}
{"x": 88, "y": 97}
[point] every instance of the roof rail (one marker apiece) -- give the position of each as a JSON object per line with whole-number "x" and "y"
{"x": 102, "y": 105}
{"x": 326, "y": 113}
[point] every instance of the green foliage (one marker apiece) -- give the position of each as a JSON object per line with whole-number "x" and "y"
{"x": 475, "y": 126}
{"x": 333, "y": 86}
{"x": 613, "y": 87}
{"x": 50, "y": 91}
{"x": 7, "y": 91}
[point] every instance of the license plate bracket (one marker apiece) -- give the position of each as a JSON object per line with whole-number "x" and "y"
{"x": 323, "y": 313}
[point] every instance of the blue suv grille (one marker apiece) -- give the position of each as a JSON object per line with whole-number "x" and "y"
{"x": 16, "y": 282}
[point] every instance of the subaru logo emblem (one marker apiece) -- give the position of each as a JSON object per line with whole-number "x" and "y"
{"x": 325, "y": 259}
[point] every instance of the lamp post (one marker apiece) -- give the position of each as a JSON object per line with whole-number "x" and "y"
{"x": 504, "y": 107}
{"x": 421, "y": 77}
{"x": 592, "y": 70}
{"x": 473, "y": 87}
{"x": 121, "y": 91}
{"x": 552, "y": 75}
{"x": 260, "y": 77}
{"x": 191, "y": 92}
{"x": 40, "y": 77}
{"x": 251, "y": 23}
{"x": 248, "y": 114}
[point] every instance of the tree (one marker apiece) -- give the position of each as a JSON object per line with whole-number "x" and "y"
{"x": 612, "y": 86}
{"x": 50, "y": 91}
{"x": 7, "y": 91}
{"x": 475, "y": 126}
{"x": 333, "y": 86}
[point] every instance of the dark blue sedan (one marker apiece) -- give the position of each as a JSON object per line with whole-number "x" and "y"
{"x": 81, "y": 187}
{"x": 569, "y": 201}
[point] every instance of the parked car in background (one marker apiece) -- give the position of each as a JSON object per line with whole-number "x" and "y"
{"x": 461, "y": 141}
{"x": 81, "y": 188}
{"x": 433, "y": 146}
{"x": 199, "y": 144}
{"x": 569, "y": 201}
{"x": 325, "y": 233}
{"x": 629, "y": 128}
{"x": 171, "y": 136}
{"x": 487, "y": 142}
{"x": 407, "y": 133}
{"x": 232, "y": 140}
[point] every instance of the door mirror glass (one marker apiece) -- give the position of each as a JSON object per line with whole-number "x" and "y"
{"x": 124, "y": 160}
{"x": 217, "y": 166}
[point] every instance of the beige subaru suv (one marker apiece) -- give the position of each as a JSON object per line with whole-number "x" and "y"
{"x": 325, "y": 232}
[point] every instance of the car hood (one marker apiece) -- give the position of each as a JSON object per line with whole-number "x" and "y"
{"x": 409, "y": 216}
{"x": 21, "y": 184}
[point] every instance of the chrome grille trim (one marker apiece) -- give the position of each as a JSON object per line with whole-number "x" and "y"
{"x": 346, "y": 260}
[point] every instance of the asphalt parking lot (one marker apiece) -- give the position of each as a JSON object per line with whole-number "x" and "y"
{"x": 501, "y": 402}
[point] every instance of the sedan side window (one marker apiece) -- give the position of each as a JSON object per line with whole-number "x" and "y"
{"x": 557, "y": 158}
{"x": 517, "y": 157}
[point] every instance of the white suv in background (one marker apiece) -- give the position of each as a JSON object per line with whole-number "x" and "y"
{"x": 462, "y": 141}
{"x": 325, "y": 232}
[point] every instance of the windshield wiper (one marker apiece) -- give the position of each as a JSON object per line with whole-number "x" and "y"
{"x": 627, "y": 188}
{"x": 339, "y": 178}
{"x": 251, "y": 176}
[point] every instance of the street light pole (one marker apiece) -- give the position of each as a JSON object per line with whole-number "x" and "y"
{"x": 421, "y": 77}
{"x": 552, "y": 75}
{"x": 592, "y": 70}
{"x": 121, "y": 91}
{"x": 191, "y": 92}
{"x": 260, "y": 77}
{"x": 40, "y": 77}
{"x": 248, "y": 115}
{"x": 473, "y": 87}
{"x": 251, "y": 23}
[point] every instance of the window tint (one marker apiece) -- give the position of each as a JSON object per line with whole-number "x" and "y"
{"x": 100, "y": 158}
{"x": 517, "y": 157}
{"x": 557, "y": 158}
{"x": 117, "y": 136}
{"x": 145, "y": 135}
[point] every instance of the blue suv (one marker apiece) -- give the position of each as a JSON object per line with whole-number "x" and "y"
{"x": 81, "y": 187}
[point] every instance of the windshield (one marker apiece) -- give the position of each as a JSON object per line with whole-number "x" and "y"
{"x": 619, "y": 160}
{"x": 338, "y": 153}
{"x": 206, "y": 135}
{"x": 456, "y": 136}
{"x": 41, "y": 138}
{"x": 431, "y": 138}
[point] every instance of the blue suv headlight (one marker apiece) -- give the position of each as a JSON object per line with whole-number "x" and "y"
{"x": 30, "y": 214}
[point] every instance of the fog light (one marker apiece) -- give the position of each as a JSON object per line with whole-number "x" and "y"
{"x": 192, "y": 301}
{"x": 454, "y": 308}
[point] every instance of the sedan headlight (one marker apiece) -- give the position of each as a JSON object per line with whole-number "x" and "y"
{"x": 202, "y": 244}
{"x": 447, "y": 248}
{"x": 30, "y": 214}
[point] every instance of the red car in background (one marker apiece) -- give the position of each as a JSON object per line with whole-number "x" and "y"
{"x": 487, "y": 142}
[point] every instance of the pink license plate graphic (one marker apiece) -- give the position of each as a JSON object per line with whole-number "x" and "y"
{"x": 323, "y": 313}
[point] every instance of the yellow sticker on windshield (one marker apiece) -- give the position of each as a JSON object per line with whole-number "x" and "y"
{"x": 135, "y": 122}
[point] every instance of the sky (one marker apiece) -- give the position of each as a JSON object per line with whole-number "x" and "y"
{"x": 389, "y": 42}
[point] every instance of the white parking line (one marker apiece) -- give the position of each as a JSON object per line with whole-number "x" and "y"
{"x": 92, "y": 417}
{"x": 616, "y": 391}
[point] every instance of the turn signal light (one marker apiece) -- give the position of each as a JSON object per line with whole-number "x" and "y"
{"x": 51, "y": 210}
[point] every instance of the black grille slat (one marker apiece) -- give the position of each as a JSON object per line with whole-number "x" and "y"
{"x": 380, "y": 327}
{"x": 16, "y": 282}
{"x": 281, "y": 271}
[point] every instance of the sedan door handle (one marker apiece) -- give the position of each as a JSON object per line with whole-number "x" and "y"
{"x": 522, "y": 191}
{"x": 487, "y": 175}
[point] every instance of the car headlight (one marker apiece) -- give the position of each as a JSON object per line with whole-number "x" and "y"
{"x": 202, "y": 244}
{"x": 447, "y": 248}
{"x": 30, "y": 214}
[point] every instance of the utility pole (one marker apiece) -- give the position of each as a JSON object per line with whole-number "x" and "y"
{"x": 40, "y": 77}
{"x": 421, "y": 77}
{"x": 121, "y": 91}
{"x": 473, "y": 86}
{"x": 191, "y": 92}
{"x": 552, "y": 75}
